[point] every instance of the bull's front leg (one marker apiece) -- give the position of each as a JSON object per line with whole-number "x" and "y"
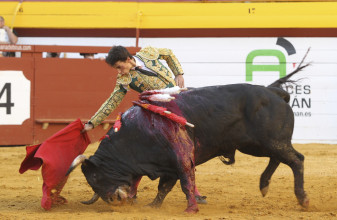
{"x": 187, "y": 181}
{"x": 134, "y": 186}
{"x": 184, "y": 149}
{"x": 132, "y": 196}
{"x": 165, "y": 186}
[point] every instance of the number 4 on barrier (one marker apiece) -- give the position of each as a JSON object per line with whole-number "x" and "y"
{"x": 8, "y": 104}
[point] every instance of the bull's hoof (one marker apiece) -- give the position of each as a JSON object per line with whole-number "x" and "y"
{"x": 192, "y": 210}
{"x": 302, "y": 198}
{"x": 132, "y": 201}
{"x": 264, "y": 191}
{"x": 154, "y": 205}
{"x": 305, "y": 202}
{"x": 201, "y": 199}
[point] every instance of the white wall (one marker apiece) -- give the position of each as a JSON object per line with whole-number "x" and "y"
{"x": 215, "y": 61}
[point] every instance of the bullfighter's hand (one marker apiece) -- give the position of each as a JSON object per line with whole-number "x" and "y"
{"x": 6, "y": 28}
{"x": 87, "y": 127}
{"x": 179, "y": 79}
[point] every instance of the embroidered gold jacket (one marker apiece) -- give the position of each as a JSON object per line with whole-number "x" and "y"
{"x": 139, "y": 82}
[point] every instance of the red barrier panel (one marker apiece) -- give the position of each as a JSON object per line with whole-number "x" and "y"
{"x": 61, "y": 90}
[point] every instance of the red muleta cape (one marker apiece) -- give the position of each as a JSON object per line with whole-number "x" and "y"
{"x": 56, "y": 155}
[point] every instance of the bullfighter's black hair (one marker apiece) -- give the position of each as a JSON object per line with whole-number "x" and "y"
{"x": 117, "y": 53}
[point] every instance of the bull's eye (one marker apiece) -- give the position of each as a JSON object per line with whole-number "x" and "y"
{"x": 94, "y": 177}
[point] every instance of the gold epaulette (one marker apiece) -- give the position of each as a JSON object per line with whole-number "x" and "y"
{"x": 149, "y": 53}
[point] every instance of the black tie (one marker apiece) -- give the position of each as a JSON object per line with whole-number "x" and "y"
{"x": 145, "y": 72}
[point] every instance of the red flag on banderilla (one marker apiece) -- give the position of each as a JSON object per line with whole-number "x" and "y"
{"x": 55, "y": 155}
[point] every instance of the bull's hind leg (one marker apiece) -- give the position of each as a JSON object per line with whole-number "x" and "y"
{"x": 266, "y": 175}
{"x": 165, "y": 186}
{"x": 288, "y": 155}
{"x": 298, "y": 169}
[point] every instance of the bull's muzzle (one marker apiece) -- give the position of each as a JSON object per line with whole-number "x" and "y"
{"x": 120, "y": 195}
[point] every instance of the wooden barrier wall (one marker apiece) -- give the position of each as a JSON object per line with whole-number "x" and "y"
{"x": 61, "y": 90}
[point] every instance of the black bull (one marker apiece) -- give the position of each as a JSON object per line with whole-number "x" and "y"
{"x": 255, "y": 120}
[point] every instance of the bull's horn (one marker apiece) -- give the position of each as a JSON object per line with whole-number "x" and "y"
{"x": 94, "y": 198}
{"x": 78, "y": 160}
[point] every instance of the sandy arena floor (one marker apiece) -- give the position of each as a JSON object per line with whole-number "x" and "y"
{"x": 232, "y": 191}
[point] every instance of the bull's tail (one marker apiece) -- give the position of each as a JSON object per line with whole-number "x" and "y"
{"x": 278, "y": 83}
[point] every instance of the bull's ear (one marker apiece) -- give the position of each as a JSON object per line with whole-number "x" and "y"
{"x": 88, "y": 164}
{"x": 94, "y": 161}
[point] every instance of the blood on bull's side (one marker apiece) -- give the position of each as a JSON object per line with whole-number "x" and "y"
{"x": 252, "y": 119}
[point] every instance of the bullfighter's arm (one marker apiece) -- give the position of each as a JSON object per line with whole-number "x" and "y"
{"x": 109, "y": 105}
{"x": 173, "y": 63}
{"x": 171, "y": 60}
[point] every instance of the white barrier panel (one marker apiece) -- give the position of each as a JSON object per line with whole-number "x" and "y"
{"x": 14, "y": 98}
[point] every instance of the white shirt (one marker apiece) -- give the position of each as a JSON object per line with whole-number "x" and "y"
{"x": 141, "y": 64}
{"x": 4, "y": 36}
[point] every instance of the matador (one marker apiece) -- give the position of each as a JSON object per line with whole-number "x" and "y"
{"x": 147, "y": 59}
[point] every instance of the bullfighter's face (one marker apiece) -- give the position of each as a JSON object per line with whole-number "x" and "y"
{"x": 124, "y": 67}
{"x": 109, "y": 190}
